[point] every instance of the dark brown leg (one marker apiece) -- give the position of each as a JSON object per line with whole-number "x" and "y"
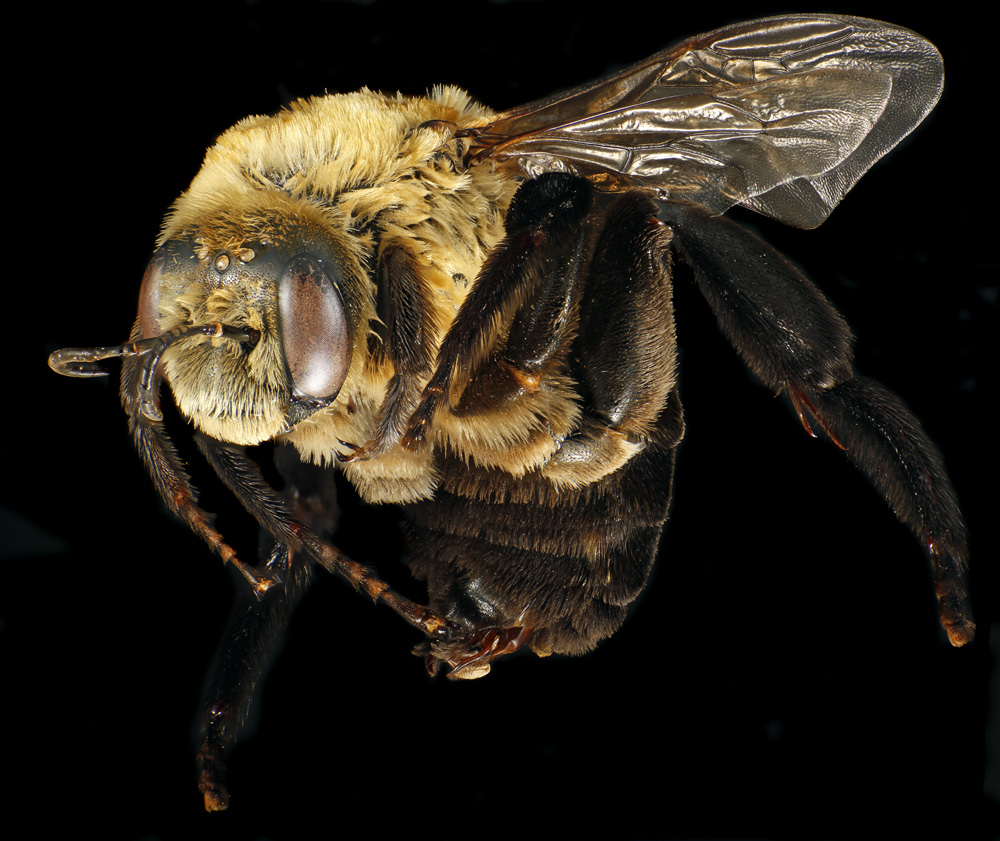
{"x": 242, "y": 476}
{"x": 546, "y": 217}
{"x": 791, "y": 336}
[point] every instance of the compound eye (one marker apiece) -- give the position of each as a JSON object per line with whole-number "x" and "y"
{"x": 314, "y": 332}
{"x": 149, "y": 296}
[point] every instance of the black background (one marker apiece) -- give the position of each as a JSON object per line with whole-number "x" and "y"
{"x": 783, "y": 677}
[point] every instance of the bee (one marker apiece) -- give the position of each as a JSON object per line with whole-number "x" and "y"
{"x": 470, "y": 315}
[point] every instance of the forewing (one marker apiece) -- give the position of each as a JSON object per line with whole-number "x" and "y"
{"x": 782, "y": 115}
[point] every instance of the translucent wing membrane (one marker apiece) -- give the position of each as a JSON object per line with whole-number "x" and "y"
{"x": 782, "y": 115}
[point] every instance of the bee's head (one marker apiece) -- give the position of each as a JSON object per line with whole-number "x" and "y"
{"x": 254, "y": 327}
{"x": 292, "y": 303}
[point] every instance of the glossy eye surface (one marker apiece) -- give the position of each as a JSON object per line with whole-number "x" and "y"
{"x": 314, "y": 333}
{"x": 149, "y": 296}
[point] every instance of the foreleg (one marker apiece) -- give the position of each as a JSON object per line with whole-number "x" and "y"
{"x": 242, "y": 476}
